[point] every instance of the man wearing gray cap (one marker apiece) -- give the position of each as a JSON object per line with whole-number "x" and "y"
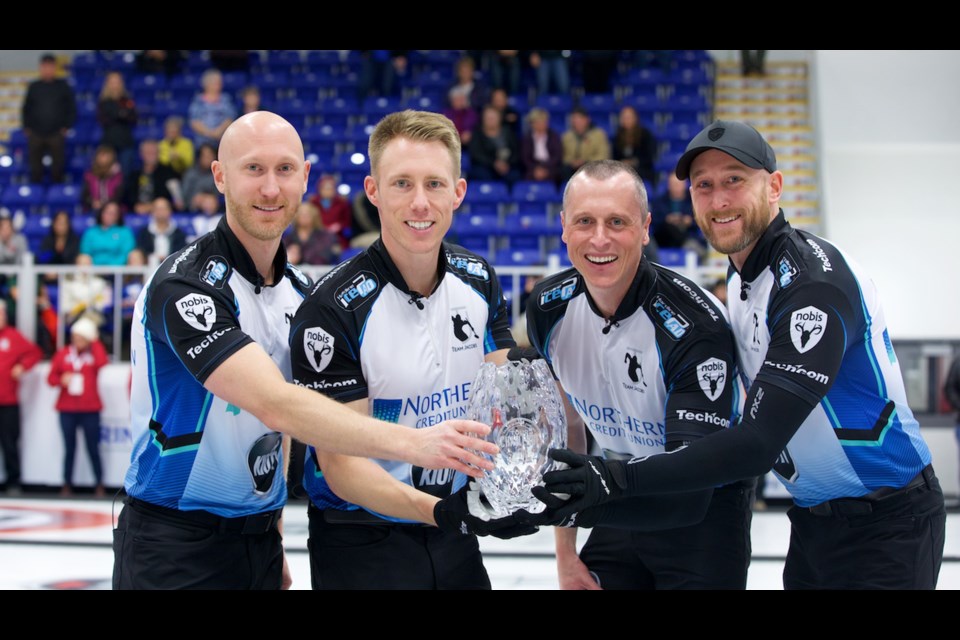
{"x": 825, "y": 408}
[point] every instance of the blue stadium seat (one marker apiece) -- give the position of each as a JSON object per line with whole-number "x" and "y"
{"x": 184, "y": 86}
{"x": 148, "y": 82}
{"x": 321, "y": 139}
{"x": 599, "y": 102}
{"x": 561, "y": 256}
{"x": 349, "y": 252}
{"x": 528, "y": 231}
{"x": 535, "y": 191}
{"x": 65, "y": 197}
{"x": 425, "y": 103}
{"x": 672, "y": 257}
{"x": 24, "y": 198}
{"x": 518, "y": 257}
{"x": 337, "y": 112}
{"x": 283, "y": 60}
{"x": 377, "y": 108}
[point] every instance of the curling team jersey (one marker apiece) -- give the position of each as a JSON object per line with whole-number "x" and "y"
{"x": 363, "y": 334}
{"x": 193, "y": 450}
{"x": 658, "y": 373}
{"x": 808, "y": 320}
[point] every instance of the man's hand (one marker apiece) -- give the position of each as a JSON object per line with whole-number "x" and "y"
{"x": 452, "y": 444}
{"x": 589, "y": 481}
{"x": 287, "y": 579}
{"x": 16, "y": 371}
{"x": 573, "y": 574}
{"x": 465, "y": 512}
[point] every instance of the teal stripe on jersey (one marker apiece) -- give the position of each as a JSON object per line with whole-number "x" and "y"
{"x": 892, "y": 420}
{"x": 868, "y": 343}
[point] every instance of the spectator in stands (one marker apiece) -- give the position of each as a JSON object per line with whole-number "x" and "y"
{"x": 176, "y": 151}
{"x": 752, "y": 62}
{"x": 212, "y": 111}
{"x": 598, "y": 65}
{"x": 74, "y": 369}
{"x": 335, "y": 210}
{"x": 553, "y": 71}
{"x": 108, "y": 242}
{"x": 467, "y": 83}
{"x": 463, "y": 116}
{"x": 84, "y": 294}
{"x": 17, "y": 355}
{"x": 209, "y": 216}
{"x": 165, "y": 61}
{"x": 541, "y": 152}
{"x": 583, "y": 142}
{"x": 61, "y": 245}
{"x": 198, "y": 180}
{"x": 152, "y": 181}
{"x": 49, "y": 110}
{"x": 494, "y": 152}
{"x": 673, "y": 223}
{"x": 635, "y": 145}
{"x": 103, "y": 181}
{"x": 508, "y": 115}
{"x": 161, "y": 236}
{"x": 13, "y": 244}
{"x": 719, "y": 290}
{"x": 315, "y": 244}
{"x": 366, "y": 221}
{"x": 379, "y": 71}
{"x": 117, "y": 115}
{"x": 503, "y": 65}
{"x": 250, "y": 100}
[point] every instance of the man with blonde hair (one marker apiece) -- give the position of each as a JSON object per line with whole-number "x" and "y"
{"x": 384, "y": 333}
{"x": 210, "y": 397}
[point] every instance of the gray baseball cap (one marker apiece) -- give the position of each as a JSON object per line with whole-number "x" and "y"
{"x": 737, "y": 139}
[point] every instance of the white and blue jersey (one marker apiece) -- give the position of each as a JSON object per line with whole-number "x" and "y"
{"x": 808, "y": 321}
{"x": 363, "y": 334}
{"x": 192, "y": 450}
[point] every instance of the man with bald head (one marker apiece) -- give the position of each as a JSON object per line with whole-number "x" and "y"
{"x": 825, "y": 407}
{"x": 210, "y": 397}
{"x": 645, "y": 358}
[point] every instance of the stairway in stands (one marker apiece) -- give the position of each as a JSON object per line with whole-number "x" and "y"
{"x": 778, "y": 105}
{"x": 13, "y": 86}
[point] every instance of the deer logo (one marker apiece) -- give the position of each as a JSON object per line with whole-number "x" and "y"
{"x": 807, "y": 326}
{"x": 712, "y": 376}
{"x": 198, "y": 311}
{"x": 459, "y": 322}
{"x": 633, "y": 366}
{"x": 318, "y": 347}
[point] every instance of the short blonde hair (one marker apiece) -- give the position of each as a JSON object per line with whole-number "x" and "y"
{"x": 418, "y": 126}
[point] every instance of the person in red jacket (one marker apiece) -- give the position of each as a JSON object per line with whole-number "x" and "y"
{"x": 17, "y": 354}
{"x": 74, "y": 369}
{"x": 336, "y": 212}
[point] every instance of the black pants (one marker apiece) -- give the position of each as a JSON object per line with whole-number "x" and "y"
{"x": 157, "y": 548}
{"x": 37, "y": 146}
{"x": 90, "y": 423}
{"x": 10, "y": 442}
{"x": 893, "y": 543}
{"x": 391, "y": 556}
{"x": 714, "y": 554}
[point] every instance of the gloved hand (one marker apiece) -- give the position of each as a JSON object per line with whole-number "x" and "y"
{"x": 466, "y": 512}
{"x": 589, "y": 481}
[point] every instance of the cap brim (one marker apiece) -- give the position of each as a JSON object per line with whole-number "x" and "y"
{"x": 683, "y": 164}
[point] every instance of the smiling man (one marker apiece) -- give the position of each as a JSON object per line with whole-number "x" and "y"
{"x": 646, "y": 359}
{"x": 386, "y": 333}
{"x": 826, "y": 406}
{"x": 209, "y": 396}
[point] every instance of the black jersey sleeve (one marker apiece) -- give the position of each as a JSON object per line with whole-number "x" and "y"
{"x": 198, "y": 323}
{"x": 325, "y": 352}
{"x": 701, "y": 383}
{"x": 809, "y": 332}
{"x": 497, "y": 335}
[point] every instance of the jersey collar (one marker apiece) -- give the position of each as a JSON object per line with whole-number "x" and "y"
{"x": 241, "y": 261}
{"x": 763, "y": 253}
{"x": 642, "y": 283}
{"x": 387, "y": 267}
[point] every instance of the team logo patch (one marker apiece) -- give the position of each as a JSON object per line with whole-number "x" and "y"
{"x": 674, "y": 323}
{"x": 560, "y": 293}
{"x": 806, "y": 328}
{"x": 197, "y": 310}
{"x": 299, "y": 275}
{"x": 461, "y": 323}
{"x": 215, "y": 272}
{"x": 318, "y": 347}
{"x": 468, "y": 265}
{"x": 357, "y": 291}
{"x": 716, "y": 133}
{"x": 264, "y": 460}
{"x": 786, "y": 272}
{"x": 712, "y": 376}
{"x": 633, "y": 360}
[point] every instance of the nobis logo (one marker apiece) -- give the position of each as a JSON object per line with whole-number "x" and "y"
{"x": 198, "y": 311}
{"x": 806, "y": 328}
{"x": 712, "y": 376}
{"x": 318, "y": 347}
{"x": 264, "y": 460}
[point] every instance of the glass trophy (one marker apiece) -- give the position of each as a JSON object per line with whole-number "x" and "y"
{"x": 522, "y": 405}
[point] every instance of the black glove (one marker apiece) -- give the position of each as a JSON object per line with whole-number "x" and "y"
{"x": 465, "y": 512}
{"x": 589, "y": 481}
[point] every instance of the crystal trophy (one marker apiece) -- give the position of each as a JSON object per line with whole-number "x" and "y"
{"x": 522, "y": 405}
